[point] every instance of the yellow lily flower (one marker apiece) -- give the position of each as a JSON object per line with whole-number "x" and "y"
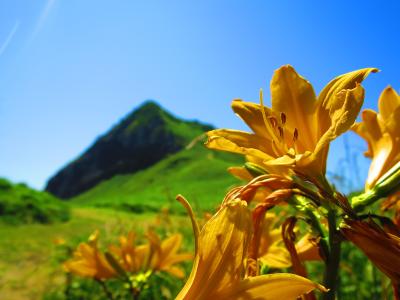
{"x": 219, "y": 267}
{"x": 157, "y": 255}
{"x": 382, "y": 133}
{"x": 88, "y": 261}
{"x": 165, "y": 255}
{"x": 295, "y": 133}
{"x": 131, "y": 257}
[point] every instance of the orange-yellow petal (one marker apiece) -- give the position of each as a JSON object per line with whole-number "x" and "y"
{"x": 239, "y": 142}
{"x": 294, "y": 96}
{"x": 388, "y": 102}
{"x": 274, "y": 286}
{"x": 222, "y": 247}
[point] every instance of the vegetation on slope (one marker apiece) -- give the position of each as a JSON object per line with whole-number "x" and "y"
{"x": 197, "y": 173}
{"x": 21, "y": 204}
{"x": 143, "y": 138}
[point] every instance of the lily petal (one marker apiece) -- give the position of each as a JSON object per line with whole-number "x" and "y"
{"x": 342, "y": 112}
{"x": 274, "y": 286}
{"x": 238, "y": 142}
{"x": 251, "y": 114}
{"x": 295, "y": 97}
{"x": 219, "y": 260}
{"x": 388, "y": 102}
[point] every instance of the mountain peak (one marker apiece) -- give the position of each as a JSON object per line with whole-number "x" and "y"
{"x": 145, "y": 136}
{"x": 149, "y": 104}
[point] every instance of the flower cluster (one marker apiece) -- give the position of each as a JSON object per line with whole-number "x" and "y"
{"x": 286, "y": 155}
{"x": 129, "y": 262}
{"x": 259, "y": 242}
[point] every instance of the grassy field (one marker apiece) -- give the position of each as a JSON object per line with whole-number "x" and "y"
{"x": 28, "y": 264}
{"x": 197, "y": 173}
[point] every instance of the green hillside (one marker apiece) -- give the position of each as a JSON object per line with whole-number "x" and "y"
{"x": 144, "y": 137}
{"x": 21, "y": 204}
{"x": 197, "y": 173}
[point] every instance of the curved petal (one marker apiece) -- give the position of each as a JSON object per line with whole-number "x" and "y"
{"x": 276, "y": 257}
{"x": 251, "y": 114}
{"x": 392, "y": 124}
{"x": 222, "y": 247}
{"x": 388, "y": 101}
{"x": 240, "y": 173}
{"x": 343, "y": 111}
{"x": 294, "y": 96}
{"x": 382, "y": 248}
{"x": 274, "y": 286}
{"x": 381, "y": 163}
{"x": 306, "y": 249}
{"x": 327, "y": 97}
{"x": 347, "y": 81}
{"x": 239, "y": 142}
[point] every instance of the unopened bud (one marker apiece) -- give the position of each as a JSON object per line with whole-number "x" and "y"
{"x": 388, "y": 184}
{"x": 255, "y": 169}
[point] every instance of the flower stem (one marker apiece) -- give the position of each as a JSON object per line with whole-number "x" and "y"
{"x": 105, "y": 289}
{"x": 332, "y": 263}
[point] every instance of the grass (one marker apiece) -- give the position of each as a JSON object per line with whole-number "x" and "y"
{"x": 181, "y": 173}
{"x": 28, "y": 258}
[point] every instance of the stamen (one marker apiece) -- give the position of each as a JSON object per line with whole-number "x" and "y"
{"x": 280, "y": 131}
{"x": 295, "y": 135}
{"x": 295, "y": 138}
{"x": 273, "y": 121}
{"x": 283, "y": 118}
{"x": 264, "y": 115}
{"x": 275, "y": 148}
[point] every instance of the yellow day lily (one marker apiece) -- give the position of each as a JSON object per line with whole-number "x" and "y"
{"x": 295, "y": 133}
{"x": 165, "y": 256}
{"x": 382, "y": 133}
{"x": 157, "y": 255}
{"x": 219, "y": 267}
{"x": 88, "y": 261}
{"x": 131, "y": 257}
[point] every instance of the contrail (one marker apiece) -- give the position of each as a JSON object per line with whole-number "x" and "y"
{"x": 42, "y": 18}
{"x": 9, "y": 37}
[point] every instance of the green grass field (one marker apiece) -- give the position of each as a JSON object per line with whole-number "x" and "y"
{"x": 29, "y": 267}
{"x": 197, "y": 173}
{"x": 30, "y": 264}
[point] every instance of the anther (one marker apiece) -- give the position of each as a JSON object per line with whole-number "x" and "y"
{"x": 280, "y": 131}
{"x": 283, "y": 118}
{"x": 295, "y": 135}
{"x": 273, "y": 122}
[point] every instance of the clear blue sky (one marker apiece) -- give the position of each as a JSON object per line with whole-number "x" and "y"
{"x": 70, "y": 69}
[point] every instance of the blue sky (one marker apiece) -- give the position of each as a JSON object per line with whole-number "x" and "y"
{"x": 69, "y": 70}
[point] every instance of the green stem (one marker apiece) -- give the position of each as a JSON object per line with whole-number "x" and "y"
{"x": 314, "y": 221}
{"x": 316, "y": 225}
{"x": 105, "y": 289}
{"x": 332, "y": 263}
{"x": 364, "y": 200}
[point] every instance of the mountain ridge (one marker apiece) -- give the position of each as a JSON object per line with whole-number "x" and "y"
{"x": 143, "y": 137}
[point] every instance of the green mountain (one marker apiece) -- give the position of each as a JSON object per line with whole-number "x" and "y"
{"x": 146, "y": 136}
{"x": 21, "y": 204}
{"x": 197, "y": 173}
